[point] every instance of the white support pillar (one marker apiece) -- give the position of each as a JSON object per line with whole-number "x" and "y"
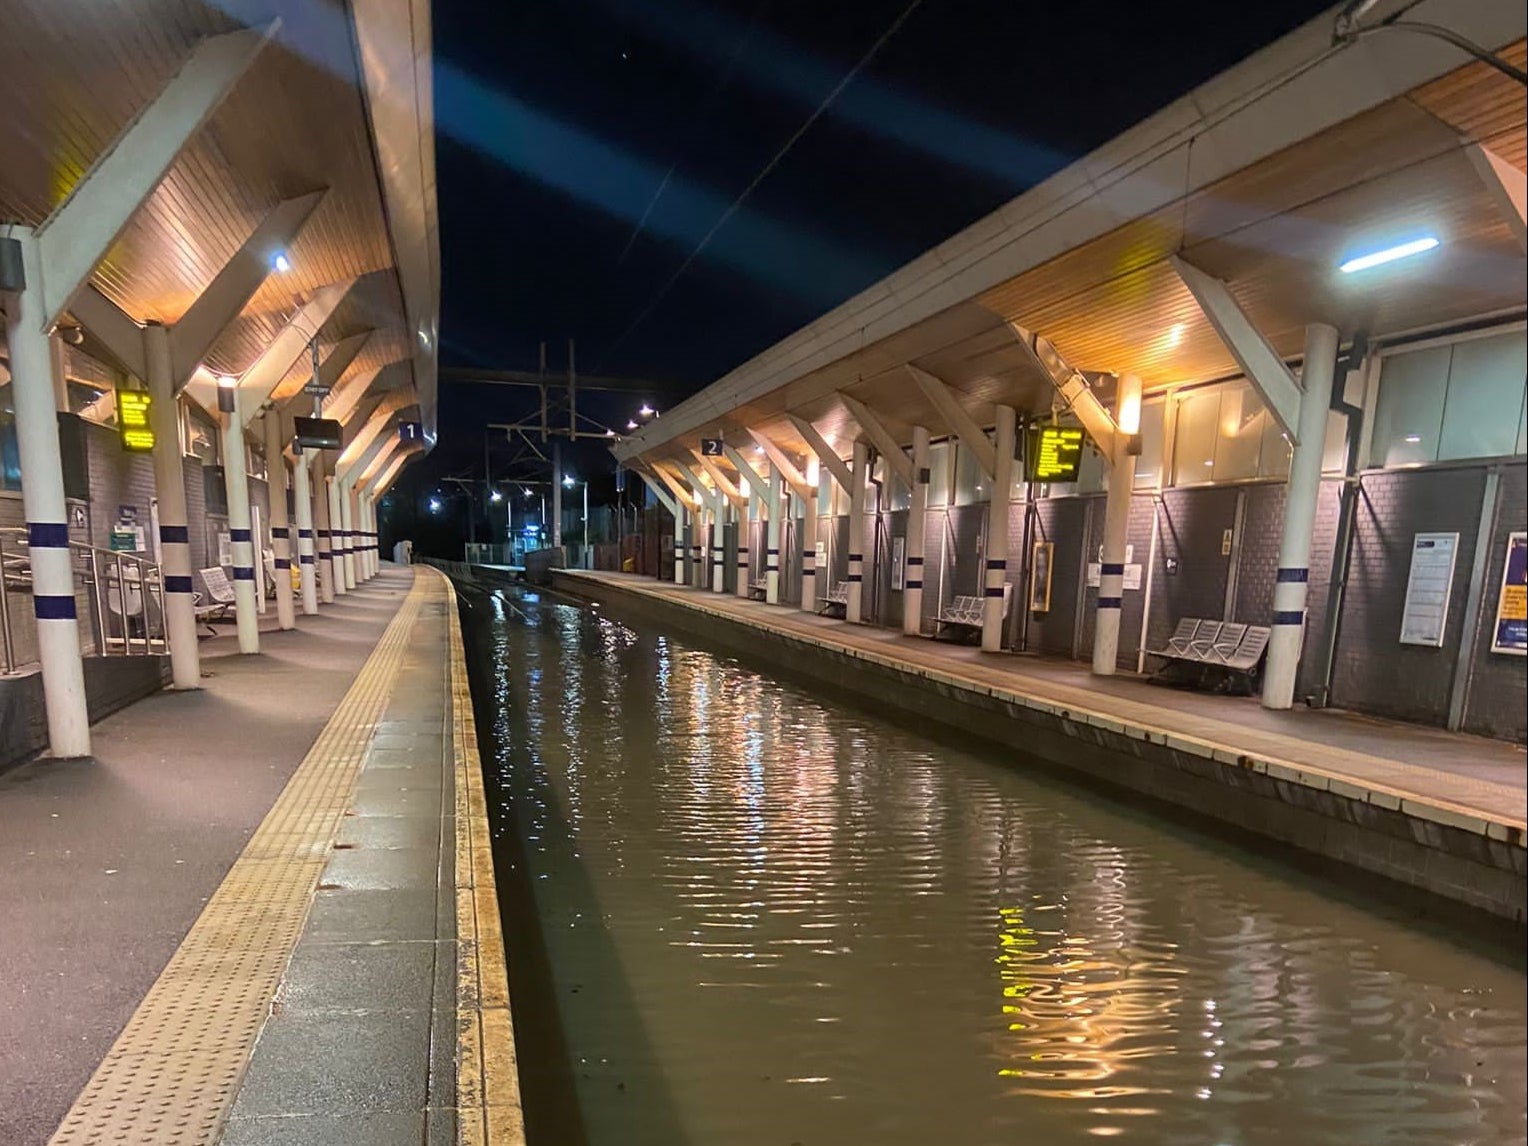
{"x": 174, "y": 533}
{"x": 236, "y": 483}
{"x": 281, "y": 532}
{"x": 852, "y": 610}
{"x": 718, "y": 550}
{"x": 323, "y": 543}
{"x": 810, "y": 525}
{"x": 745, "y": 522}
{"x": 347, "y": 531}
{"x": 57, "y": 356}
{"x": 1111, "y": 582}
{"x": 364, "y": 570}
{"x": 307, "y": 561}
{"x": 997, "y": 532}
{"x": 42, "y": 498}
{"x": 912, "y": 578}
{"x": 1300, "y": 498}
{"x": 680, "y": 558}
{"x": 772, "y": 538}
{"x": 331, "y": 494}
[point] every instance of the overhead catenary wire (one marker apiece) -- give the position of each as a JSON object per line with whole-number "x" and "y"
{"x": 817, "y": 113}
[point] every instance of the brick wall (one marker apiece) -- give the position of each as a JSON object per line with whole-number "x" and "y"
{"x": 1062, "y": 522}
{"x": 1498, "y": 685}
{"x": 116, "y": 479}
{"x": 1374, "y": 671}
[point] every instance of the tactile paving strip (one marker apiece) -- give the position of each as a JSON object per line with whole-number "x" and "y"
{"x": 171, "y": 1077}
{"x": 487, "y": 1076}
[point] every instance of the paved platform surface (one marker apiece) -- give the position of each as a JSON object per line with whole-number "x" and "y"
{"x": 1452, "y": 772}
{"x": 250, "y": 919}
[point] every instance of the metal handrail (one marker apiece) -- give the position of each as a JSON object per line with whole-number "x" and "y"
{"x": 112, "y": 578}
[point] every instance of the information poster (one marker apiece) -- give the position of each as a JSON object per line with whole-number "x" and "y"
{"x": 898, "y": 560}
{"x": 1428, "y": 588}
{"x": 1040, "y": 577}
{"x": 1510, "y": 635}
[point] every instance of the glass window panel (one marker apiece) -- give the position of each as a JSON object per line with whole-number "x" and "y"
{"x": 1148, "y": 467}
{"x": 1194, "y": 447}
{"x": 1485, "y": 381}
{"x": 1522, "y": 427}
{"x": 1408, "y": 416}
{"x": 1092, "y": 476}
{"x": 1334, "y": 451}
{"x": 968, "y": 476}
{"x": 939, "y": 475}
{"x": 1274, "y": 453}
{"x": 1240, "y": 437}
{"x": 897, "y": 495}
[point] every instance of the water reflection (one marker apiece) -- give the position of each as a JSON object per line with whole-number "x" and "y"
{"x": 771, "y": 920}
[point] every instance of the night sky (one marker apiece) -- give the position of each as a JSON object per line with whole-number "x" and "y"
{"x": 586, "y": 148}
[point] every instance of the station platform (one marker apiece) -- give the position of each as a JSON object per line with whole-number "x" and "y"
{"x": 265, "y": 910}
{"x": 1411, "y": 786}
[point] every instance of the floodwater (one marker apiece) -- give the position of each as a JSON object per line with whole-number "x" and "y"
{"x": 740, "y": 914}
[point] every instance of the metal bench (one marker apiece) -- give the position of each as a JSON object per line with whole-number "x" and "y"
{"x": 968, "y": 613}
{"x": 836, "y": 602}
{"x": 1212, "y": 654}
{"x": 221, "y": 598}
{"x": 759, "y": 587}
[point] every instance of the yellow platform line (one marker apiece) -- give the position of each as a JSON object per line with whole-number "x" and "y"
{"x": 172, "y": 1076}
{"x": 487, "y": 1078}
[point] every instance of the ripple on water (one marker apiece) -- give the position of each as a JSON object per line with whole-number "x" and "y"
{"x": 787, "y": 922}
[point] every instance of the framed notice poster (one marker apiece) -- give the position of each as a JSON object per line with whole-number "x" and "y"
{"x": 1428, "y": 587}
{"x": 898, "y": 561}
{"x": 1040, "y": 577}
{"x": 1510, "y": 635}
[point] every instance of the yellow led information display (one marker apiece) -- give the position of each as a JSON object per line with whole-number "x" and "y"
{"x": 133, "y": 421}
{"x": 1054, "y": 454}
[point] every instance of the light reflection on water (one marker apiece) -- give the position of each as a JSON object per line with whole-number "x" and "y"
{"x": 774, "y": 920}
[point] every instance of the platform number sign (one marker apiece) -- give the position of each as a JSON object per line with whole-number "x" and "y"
{"x": 710, "y": 447}
{"x": 410, "y": 432}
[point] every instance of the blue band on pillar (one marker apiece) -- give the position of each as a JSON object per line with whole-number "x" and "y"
{"x": 1111, "y": 569}
{"x": 855, "y": 578}
{"x": 1111, "y": 602}
{"x": 856, "y": 557}
{"x": 1292, "y": 576}
{"x": 53, "y": 608}
{"x": 911, "y": 561}
{"x": 279, "y": 533}
{"x": 306, "y": 559}
{"x": 994, "y": 590}
{"x": 48, "y": 535}
{"x": 175, "y": 534}
{"x": 304, "y": 533}
{"x": 1289, "y": 617}
{"x": 179, "y": 584}
{"x": 772, "y": 552}
{"x": 283, "y": 563}
{"x": 912, "y": 584}
{"x": 997, "y": 563}
{"x": 323, "y": 533}
{"x": 239, "y": 535}
{"x": 243, "y": 573}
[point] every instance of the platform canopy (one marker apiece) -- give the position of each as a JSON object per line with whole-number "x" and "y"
{"x": 1265, "y": 179}
{"x": 320, "y": 128}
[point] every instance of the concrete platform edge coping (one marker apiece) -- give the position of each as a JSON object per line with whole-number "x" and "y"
{"x": 1502, "y": 828}
{"x": 488, "y": 1085}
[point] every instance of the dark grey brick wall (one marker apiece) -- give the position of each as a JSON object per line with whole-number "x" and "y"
{"x": 1374, "y": 671}
{"x": 1193, "y": 524}
{"x": 116, "y": 479}
{"x": 1062, "y": 522}
{"x": 1497, "y": 701}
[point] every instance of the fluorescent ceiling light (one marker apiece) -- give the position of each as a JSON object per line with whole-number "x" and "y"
{"x": 281, "y": 262}
{"x": 1389, "y": 254}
